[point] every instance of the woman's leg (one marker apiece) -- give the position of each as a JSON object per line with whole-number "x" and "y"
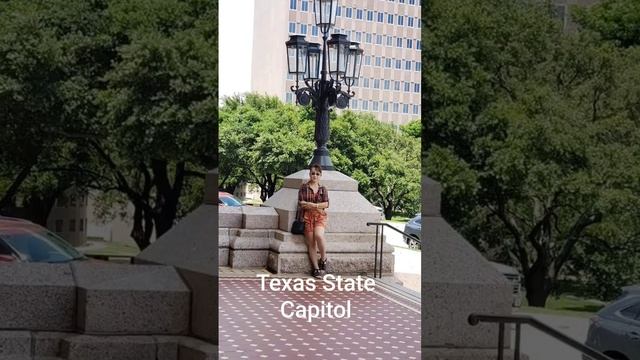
{"x": 311, "y": 248}
{"x": 318, "y": 235}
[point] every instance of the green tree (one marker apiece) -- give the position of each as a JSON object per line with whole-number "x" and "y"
{"x": 615, "y": 20}
{"x": 521, "y": 123}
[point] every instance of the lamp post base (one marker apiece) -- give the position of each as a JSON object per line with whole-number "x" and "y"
{"x": 322, "y": 158}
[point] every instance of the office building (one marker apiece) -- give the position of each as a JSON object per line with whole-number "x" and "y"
{"x": 389, "y": 31}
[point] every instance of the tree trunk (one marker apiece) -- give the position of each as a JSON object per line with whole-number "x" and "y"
{"x": 388, "y": 212}
{"x": 7, "y": 197}
{"x": 138, "y": 233}
{"x": 538, "y": 284}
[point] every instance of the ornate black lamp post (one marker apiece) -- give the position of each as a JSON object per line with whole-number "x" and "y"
{"x": 339, "y": 58}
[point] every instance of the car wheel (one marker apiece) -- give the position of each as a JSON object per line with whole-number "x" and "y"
{"x": 413, "y": 243}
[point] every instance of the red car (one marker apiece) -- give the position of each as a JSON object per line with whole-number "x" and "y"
{"x": 22, "y": 240}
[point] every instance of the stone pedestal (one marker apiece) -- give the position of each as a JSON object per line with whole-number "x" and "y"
{"x": 191, "y": 247}
{"x": 350, "y": 242}
{"x": 456, "y": 281}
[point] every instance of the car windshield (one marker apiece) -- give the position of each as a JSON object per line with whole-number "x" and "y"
{"x": 230, "y": 201}
{"x": 40, "y": 246}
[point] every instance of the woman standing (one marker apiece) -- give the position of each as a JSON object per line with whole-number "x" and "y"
{"x": 313, "y": 198}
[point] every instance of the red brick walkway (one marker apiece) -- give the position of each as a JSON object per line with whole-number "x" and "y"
{"x": 252, "y": 327}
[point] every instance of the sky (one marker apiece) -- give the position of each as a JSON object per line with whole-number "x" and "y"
{"x": 235, "y": 26}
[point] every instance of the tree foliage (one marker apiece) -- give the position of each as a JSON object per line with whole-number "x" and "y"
{"x": 522, "y": 121}
{"x": 263, "y": 140}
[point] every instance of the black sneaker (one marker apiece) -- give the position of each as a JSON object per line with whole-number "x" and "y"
{"x": 322, "y": 264}
{"x": 317, "y": 273}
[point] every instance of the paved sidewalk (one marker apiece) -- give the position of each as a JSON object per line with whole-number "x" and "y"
{"x": 252, "y": 326}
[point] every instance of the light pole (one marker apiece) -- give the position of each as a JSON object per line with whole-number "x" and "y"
{"x": 340, "y": 60}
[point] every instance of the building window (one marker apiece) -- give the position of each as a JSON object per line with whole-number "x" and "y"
{"x": 289, "y": 98}
{"x": 387, "y": 63}
{"x": 59, "y": 225}
{"x": 418, "y": 65}
{"x": 365, "y": 82}
{"x": 354, "y": 103}
{"x": 292, "y": 4}
{"x": 367, "y": 60}
{"x": 303, "y": 29}
{"x": 400, "y": 20}
{"x": 72, "y": 200}
{"x": 349, "y": 12}
{"x": 405, "y": 108}
{"x": 359, "y": 14}
{"x": 365, "y": 105}
{"x": 399, "y": 42}
{"x": 369, "y": 15}
{"x": 418, "y": 45}
{"x": 407, "y": 86}
{"x": 292, "y": 28}
{"x": 416, "y": 87}
{"x": 378, "y": 61}
{"x": 409, "y": 21}
{"x": 389, "y": 40}
{"x": 358, "y": 36}
{"x": 409, "y": 43}
{"x": 375, "y": 106}
{"x": 396, "y": 86}
{"x": 419, "y": 23}
{"x": 339, "y": 11}
{"x": 379, "y": 39}
{"x": 412, "y": 2}
{"x": 305, "y": 5}
{"x": 368, "y": 38}
{"x": 415, "y": 109}
{"x": 81, "y": 225}
{"x": 389, "y": 18}
{"x": 380, "y": 17}
{"x": 396, "y": 107}
{"x": 387, "y": 84}
{"x": 72, "y": 225}
{"x": 314, "y": 30}
{"x": 385, "y": 106}
{"x": 398, "y": 64}
{"x": 376, "y": 83}
{"x": 407, "y": 65}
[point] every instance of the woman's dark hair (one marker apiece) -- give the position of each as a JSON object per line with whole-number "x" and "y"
{"x": 317, "y": 167}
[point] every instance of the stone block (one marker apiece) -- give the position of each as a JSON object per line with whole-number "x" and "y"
{"x": 211, "y": 187}
{"x": 204, "y": 304}
{"x": 230, "y": 216}
{"x": 166, "y": 347}
{"x": 431, "y": 197}
{"x": 37, "y": 296}
{"x": 457, "y": 281}
{"x": 241, "y": 259}
{"x": 47, "y": 343}
{"x": 224, "y": 237}
{"x": 259, "y": 217}
{"x": 84, "y": 347}
{"x": 149, "y": 299}
{"x": 466, "y": 354}
{"x": 332, "y": 180}
{"x": 190, "y": 244}
{"x": 15, "y": 343}
{"x": 223, "y": 257}
{"x": 343, "y": 264}
{"x": 285, "y": 242}
{"x": 250, "y": 239}
{"x": 193, "y": 349}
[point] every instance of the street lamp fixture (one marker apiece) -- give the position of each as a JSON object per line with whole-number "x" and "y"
{"x": 324, "y": 71}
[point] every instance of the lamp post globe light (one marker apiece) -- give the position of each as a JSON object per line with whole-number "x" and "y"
{"x": 325, "y": 69}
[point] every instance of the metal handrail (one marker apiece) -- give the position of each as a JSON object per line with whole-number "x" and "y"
{"x": 381, "y": 225}
{"x": 518, "y": 320}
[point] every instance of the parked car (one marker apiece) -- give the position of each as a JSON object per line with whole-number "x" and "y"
{"x": 226, "y": 199}
{"x": 615, "y": 329}
{"x": 24, "y": 241}
{"x": 414, "y": 228}
{"x": 513, "y": 275}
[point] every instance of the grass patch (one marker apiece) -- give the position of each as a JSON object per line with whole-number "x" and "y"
{"x": 115, "y": 249}
{"x": 565, "y": 305}
{"x": 400, "y": 218}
